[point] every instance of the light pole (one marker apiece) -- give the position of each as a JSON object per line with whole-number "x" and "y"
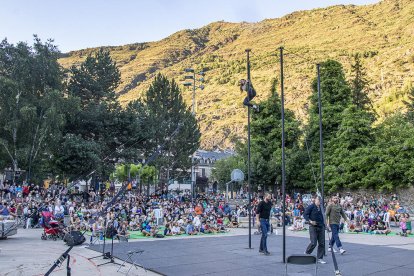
{"x": 192, "y": 83}
{"x": 318, "y": 69}
{"x": 282, "y": 99}
{"x": 248, "y": 150}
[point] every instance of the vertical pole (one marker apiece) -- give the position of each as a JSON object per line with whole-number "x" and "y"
{"x": 193, "y": 173}
{"x": 227, "y": 192}
{"x": 248, "y": 150}
{"x": 320, "y": 133}
{"x": 282, "y": 98}
{"x": 192, "y": 178}
{"x": 194, "y": 90}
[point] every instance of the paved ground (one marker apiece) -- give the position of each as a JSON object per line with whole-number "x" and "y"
{"x": 227, "y": 255}
{"x": 26, "y": 254}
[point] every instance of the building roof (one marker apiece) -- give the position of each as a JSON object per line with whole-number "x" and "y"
{"x": 212, "y": 155}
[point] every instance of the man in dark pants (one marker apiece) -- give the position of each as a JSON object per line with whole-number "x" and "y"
{"x": 262, "y": 217}
{"x": 314, "y": 216}
{"x": 334, "y": 212}
{"x": 245, "y": 85}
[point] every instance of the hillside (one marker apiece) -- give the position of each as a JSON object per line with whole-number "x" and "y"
{"x": 383, "y": 33}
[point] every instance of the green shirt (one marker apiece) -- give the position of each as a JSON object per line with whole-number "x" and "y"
{"x": 408, "y": 224}
{"x": 334, "y": 213}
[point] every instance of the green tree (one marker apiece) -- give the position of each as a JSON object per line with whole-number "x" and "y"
{"x": 223, "y": 168}
{"x": 77, "y": 157}
{"x": 390, "y": 158}
{"x": 31, "y": 103}
{"x": 266, "y": 152}
{"x": 168, "y": 113}
{"x": 98, "y": 117}
{"x": 360, "y": 85}
{"x": 410, "y": 104}
{"x": 335, "y": 98}
{"x": 147, "y": 173}
{"x": 355, "y": 134}
{"x": 266, "y": 143}
{"x": 95, "y": 80}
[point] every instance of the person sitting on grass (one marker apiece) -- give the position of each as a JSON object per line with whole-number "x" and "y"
{"x": 382, "y": 229}
{"x": 234, "y": 222}
{"x": 134, "y": 223}
{"x": 204, "y": 228}
{"x": 197, "y": 222}
{"x": 176, "y": 230}
{"x": 167, "y": 230}
{"x": 403, "y": 225}
{"x": 123, "y": 230}
{"x": 146, "y": 228}
{"x": 190, "y": 230}
{"x": 150, "y": 231}
{"x": 226, "y": 221}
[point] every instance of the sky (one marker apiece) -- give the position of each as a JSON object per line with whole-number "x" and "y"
{"x": 78, "y": 24}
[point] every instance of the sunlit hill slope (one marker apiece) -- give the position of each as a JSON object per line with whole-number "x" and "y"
{"x": 383, "y": 33}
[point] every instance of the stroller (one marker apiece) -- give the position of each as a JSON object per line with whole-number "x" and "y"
{"x": 52, "y": 229}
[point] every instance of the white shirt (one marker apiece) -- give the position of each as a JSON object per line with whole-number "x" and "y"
{"x": 196, "y": 222}
{"x": 59, "y": 210}
{"x": 386, "y": 217}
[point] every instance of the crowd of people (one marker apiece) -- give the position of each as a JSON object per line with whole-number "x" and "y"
{"x": 160, "y": 214}
{"x": 364, "y": 213}
{"x": 173, "y": 213}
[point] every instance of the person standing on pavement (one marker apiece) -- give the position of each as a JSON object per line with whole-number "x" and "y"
{"x": 334, "y": 212}
{"x": 262, "y": 218}
{"x": 313, "y": 214}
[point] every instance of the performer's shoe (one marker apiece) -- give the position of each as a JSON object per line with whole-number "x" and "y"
{"x": 321, "y": 261}
{"x": 342, "y": 251}
{"x": 330, "y": 250}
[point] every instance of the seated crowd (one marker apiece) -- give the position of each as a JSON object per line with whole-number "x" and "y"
{"x": 173, "y": 213}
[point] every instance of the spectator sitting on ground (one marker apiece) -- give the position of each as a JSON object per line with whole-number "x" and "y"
{"x": 176, "y": 230}
{"x": 197, "y": 223}
{"x": 190, "y": 230}
{"x": 167, "y": 230}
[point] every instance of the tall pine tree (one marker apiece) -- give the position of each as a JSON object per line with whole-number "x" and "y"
{"x": 336, "y": 97}
{"x": 360, "y": 85}
{"x": 167, "y": 112}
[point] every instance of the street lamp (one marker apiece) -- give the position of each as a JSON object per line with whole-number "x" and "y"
{"x": 193, "y": 83}
{"x": 194, "y": 79}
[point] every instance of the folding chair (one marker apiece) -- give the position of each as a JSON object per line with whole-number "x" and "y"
{"x": 130, "y": 256}
{"x": 302, "y": 260}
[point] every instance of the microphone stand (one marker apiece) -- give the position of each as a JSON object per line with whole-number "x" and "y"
{"x": 60, "y": 260}
{"x": 109, "y": 255}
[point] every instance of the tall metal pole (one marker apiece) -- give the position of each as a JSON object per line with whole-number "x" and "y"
{"x": 282, "y": 99}
{"x": 194, "y": 90}
{"x": 320, "y": 133}
{"x": 193, "y": 173}
{"x": 248, "y": 150}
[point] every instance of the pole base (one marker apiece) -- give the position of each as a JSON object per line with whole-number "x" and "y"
{"x": 111, "y": 261}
